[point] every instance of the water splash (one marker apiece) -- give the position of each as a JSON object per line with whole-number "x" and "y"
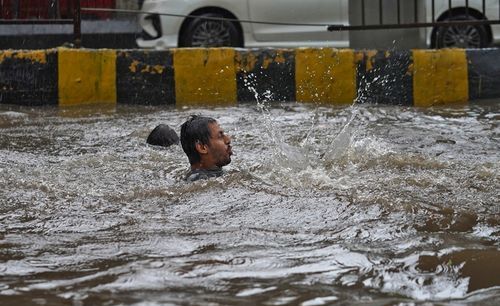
{"x": 342, "y": 141}
{"x": 272, "y": 131}
{"x": 301, "y": 164}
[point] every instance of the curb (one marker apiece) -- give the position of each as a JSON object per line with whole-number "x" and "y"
{"x": 227, "y": 76}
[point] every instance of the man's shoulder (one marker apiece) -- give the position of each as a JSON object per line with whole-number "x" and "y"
{"x": 202, "y": 174}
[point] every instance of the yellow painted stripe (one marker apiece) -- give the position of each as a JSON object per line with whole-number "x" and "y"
{"x": 86, "y": 76}
{"x": 440, "y": 77}
{"x": 325, "y": 75}
{"x": 205, "y": 76}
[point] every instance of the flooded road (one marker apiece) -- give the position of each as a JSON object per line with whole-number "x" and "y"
{"x": 363, "y": 205}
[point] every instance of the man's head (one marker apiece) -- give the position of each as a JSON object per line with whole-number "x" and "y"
{"x": 163, "y": 135}
{"x": 205, "y": 143}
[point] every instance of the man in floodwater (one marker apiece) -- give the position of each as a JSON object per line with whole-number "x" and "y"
{"x": 207, "y": 147}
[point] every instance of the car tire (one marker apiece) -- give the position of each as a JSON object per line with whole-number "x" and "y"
{"x": 461, "y": 36}
{"x": 201, "y": 32}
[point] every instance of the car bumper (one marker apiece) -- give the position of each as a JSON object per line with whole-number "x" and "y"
{"x": 168, "y": 41}
{"x": 159, "y": 31}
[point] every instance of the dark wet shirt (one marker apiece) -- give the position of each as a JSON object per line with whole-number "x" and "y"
{"x": 203, "y": 174}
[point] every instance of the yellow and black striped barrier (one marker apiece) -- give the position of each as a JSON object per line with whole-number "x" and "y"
{"x": 227, "y": 76}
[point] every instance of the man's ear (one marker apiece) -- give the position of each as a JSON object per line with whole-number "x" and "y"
{"x": 201, "y": 148}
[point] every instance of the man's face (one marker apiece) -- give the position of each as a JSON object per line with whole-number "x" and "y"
{"x": 219, "y": 146}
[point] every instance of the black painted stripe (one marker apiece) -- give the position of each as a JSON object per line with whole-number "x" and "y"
{"x": 483, "y": 73}
{"x": 145, "y": 77}
{"x": 385, "y": 77}
{"x": 28, "y": 77}
{"x": 265, "y": 75}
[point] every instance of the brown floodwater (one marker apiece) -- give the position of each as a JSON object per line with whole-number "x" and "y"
{"x": 361, "y": 205}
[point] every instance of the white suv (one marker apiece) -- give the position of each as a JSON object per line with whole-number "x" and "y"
{"x": 294, "y": 23}
{"x": 160, "y": 31}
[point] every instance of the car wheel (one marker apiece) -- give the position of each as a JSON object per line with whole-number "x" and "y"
{"x": 461, "y": 36}
{"x": 202, "y": 32}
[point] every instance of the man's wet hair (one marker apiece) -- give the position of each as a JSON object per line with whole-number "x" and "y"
{"x": 194, "y": 130}
{"x": 163, "y": 135}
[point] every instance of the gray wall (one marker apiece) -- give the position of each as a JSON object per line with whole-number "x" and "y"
{"x": 386, "y": 38}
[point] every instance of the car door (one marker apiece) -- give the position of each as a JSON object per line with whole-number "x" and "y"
{"x": 299, "y": 12}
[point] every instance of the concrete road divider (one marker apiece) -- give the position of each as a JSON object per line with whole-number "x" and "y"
{"x": 227, "y": 76}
